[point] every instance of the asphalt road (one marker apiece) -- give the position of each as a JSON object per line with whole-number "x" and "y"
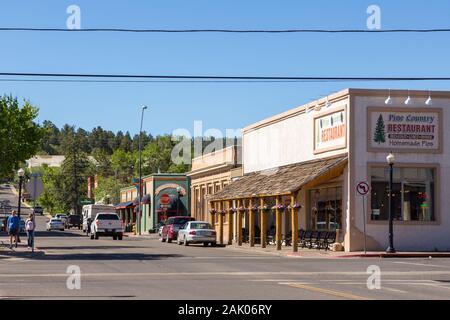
{"x": 144, "y": 268}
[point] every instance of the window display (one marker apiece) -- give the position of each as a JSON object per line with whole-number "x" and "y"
{"x": 413, "y": 193}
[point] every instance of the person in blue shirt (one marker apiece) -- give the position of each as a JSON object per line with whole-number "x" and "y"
{"x": 13, "y": 226}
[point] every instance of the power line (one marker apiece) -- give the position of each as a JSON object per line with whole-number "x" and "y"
{"x": 205, "y": 78}
{"x": 434, "y": 30}
{"x": 167, "y": 81}
{"x": 216, "y": 77}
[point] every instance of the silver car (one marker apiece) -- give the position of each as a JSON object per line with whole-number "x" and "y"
{"x": 55, "y": 224}
{"x": 197, "y": 232}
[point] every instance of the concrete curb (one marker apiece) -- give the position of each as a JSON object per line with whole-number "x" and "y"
{"x": 398, "y": 255}
{"x": 337, "y": 255}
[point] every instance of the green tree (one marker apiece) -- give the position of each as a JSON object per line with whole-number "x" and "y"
{"x": 75, "y": 170}
{"x": 380, "y": 134}
{"x": 102, "y": 162}
{"x": 20, "y": 137}
{"x": 52, "y": 199}
{"x": 50, "y": 140}
{"x": 122, "y": 164}
{"x": 108, "y": 190}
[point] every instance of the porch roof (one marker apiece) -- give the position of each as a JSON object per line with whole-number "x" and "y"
{"x": 282, "y": 180}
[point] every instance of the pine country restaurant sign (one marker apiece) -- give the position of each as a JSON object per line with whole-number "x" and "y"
{"x": 407, "y": 130}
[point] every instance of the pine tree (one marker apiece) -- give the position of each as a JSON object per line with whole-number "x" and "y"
{"x": 380, "y": 134}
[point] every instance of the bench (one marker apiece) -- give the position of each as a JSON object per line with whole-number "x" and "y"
{"x": 316, "y": 239}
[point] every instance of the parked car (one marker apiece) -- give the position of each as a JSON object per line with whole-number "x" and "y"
{"x": 197, "y": 232}
{"x": 22, "y": 226}
{"x": 169, "y": 231}
{"x": 107, "y": 224}
{"x": 61, "y": 216}
{"x": 55, "y": 224}
{"x": 159, "y": 227}
{"x": 74, "y": 221}
{"x": 38, "y": 210}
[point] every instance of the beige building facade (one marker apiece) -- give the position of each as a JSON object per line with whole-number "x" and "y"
{"x": 211, "y": 173}
{"x": 301, "y": 170}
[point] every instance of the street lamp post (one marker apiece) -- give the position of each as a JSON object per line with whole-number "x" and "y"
{"x": 21, "y": 174}
{"x": 140, "y": 173}
{"x": 391, "y": 160}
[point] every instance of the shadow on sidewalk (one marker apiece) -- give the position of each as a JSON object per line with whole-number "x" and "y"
{"x": 105, "y": 256}
{"x": 89, "y": 247}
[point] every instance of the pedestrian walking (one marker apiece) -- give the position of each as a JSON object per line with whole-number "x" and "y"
{"x": 30, "y": 226}
{"x": 88, "y": 221}
{"x": 13, "y": 226}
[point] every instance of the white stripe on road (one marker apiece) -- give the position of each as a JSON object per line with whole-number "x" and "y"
{"x": 421, "y": 264}
{"x": 230, "y": 273}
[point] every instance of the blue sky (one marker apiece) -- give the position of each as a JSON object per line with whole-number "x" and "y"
{"x": 218, "y": 105}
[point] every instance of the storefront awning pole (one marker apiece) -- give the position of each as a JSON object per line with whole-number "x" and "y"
{"x": 251, "y": 219}
{"x": 230, "y": 222}
{"x": 263, "y": 222}
{"x": 220, "y": 213}
{"x": 294, "y": 217}
{"x": 239, "y": 223}
{"x": 278, "y": 222}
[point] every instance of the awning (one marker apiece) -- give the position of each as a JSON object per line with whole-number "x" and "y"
{"x": 124, "y": 205}
{"x": 282, "y": 180}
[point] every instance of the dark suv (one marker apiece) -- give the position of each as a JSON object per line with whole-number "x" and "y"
{"x": 38, "y": 210}
{"x": 173, "y": 224}
{"x": 75, "y": 221}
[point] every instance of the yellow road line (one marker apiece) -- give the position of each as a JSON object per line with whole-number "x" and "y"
{"x": 339, "y": 294}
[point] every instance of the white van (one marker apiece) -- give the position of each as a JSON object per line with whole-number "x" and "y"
{"x": 91, "y": 210}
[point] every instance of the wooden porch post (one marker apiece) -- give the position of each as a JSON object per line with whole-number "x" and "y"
{"x": 239, "y": 223}
{"x": 294, "y": 222}
{"x": 278, "y": 222}
{"x": 251, "y": 222}
{"x": 263, "y": 223}
{"x": 220, "y": 223}
{"x": 230, "y": 222}
{"x": 213, "y": 214}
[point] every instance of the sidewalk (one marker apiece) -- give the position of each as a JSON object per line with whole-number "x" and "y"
{"x": 144, "y": 235}
{"x": 322, "y": 254}
{"x": 20, "y": 252}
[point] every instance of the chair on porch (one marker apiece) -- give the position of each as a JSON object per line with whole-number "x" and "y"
{"x": 287, "y": 239}
{"x": 304, "y": 242}
{"x": 271, "y": 237}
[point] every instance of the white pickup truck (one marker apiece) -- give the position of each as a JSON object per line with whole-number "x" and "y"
{"x": 107, "y": 224}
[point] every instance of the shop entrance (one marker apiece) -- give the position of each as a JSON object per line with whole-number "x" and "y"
{"x": 325, "y": 212}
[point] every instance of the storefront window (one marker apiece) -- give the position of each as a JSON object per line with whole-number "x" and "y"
{"x": 326, "y": 208}
{"x": 413, "y": 193}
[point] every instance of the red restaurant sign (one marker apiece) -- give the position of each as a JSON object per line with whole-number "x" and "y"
{"x": 164, "y": 199}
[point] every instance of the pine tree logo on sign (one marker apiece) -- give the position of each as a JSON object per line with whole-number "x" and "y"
{"x": 380, "y": 133}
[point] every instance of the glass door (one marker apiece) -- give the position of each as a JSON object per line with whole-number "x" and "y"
{"x": 326, "y": 209}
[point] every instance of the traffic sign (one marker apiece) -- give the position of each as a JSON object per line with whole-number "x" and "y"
{"x": 363, "y": 188}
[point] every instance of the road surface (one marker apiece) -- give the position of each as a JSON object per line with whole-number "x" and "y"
{"x": 145, "y": 268}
